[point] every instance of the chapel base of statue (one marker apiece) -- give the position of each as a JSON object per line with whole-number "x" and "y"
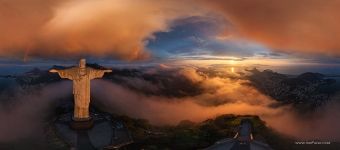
{"x": 81, "y": 124}
{"x": 106, "y": 132}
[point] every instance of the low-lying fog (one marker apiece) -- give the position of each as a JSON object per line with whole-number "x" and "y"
{"x": 24, "y": 112}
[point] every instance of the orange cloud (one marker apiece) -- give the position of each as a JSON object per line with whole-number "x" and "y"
{"x": 120, "y": 28}
{"x": 304, "y": 26}
{"x": 101, "y": 28}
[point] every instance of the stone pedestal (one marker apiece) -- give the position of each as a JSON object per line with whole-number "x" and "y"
{"x": 81, "y": 124}
{"x": 99, "y": 132}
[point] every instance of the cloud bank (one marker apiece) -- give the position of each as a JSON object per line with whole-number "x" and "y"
{"x": 24, "y": 113}
{"x": 220, "y": 95}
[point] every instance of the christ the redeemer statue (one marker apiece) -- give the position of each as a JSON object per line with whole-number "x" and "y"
{"x": 81, "y": 77}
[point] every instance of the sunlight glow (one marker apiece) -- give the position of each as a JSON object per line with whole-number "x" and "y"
{"x": 233, "y": 62}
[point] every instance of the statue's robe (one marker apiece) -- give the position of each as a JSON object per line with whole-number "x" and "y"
{"x": 81, "y": 88}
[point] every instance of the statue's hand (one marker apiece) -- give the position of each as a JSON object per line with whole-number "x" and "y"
{"x": 53, "y": 70}
{"x": 107, "y": 70}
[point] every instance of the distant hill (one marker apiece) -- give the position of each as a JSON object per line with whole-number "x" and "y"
{"x": 311, "y": 77}
{"x": 37, "y": 77}
{"x": 307, "y": 91}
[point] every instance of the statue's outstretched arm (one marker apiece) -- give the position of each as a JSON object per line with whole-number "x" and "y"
{"x": 67, "y": 73}
{"x": 108, "y": 70}
{"x": 97, "y": 73}
{"x": 53, "y": 70}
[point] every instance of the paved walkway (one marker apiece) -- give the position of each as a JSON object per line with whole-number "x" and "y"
{"x": 232, "y": 144}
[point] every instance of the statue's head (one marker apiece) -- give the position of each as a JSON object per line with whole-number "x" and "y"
{"x": 82, "y": 63}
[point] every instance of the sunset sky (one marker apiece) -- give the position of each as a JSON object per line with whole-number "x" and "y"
{"x": 231, "y": 32}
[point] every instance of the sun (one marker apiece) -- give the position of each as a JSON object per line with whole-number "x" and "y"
{"x": 232, "y": 62}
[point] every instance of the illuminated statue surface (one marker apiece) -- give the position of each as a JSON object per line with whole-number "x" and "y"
{"x": 81, "y": 77}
